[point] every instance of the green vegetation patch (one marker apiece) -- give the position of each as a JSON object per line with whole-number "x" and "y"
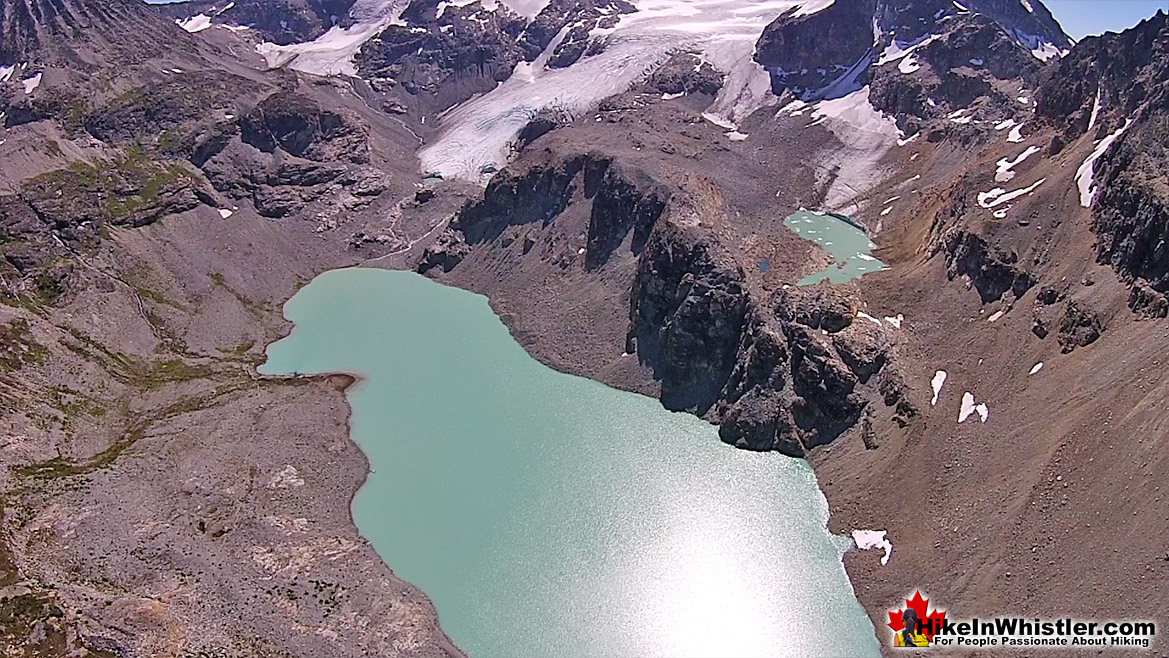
{"x": 18, "y": 348}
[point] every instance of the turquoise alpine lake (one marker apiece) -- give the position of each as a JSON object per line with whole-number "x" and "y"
{"x": 847, "y": 244}
{"x": 549, "y": 515}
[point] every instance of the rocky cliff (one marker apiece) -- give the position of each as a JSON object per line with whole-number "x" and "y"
{"x": 1118, "y": 84}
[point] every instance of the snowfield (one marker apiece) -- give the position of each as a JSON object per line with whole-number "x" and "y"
{"x": 723, "y": 32}
{"x": 332, "y": 52}
{"x": 1087, "y": 170}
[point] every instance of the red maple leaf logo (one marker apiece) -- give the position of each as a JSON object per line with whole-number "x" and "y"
{"x": 931, "y": 622}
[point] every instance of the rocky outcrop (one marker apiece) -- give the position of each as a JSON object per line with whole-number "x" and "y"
{"x": 686, "y": 74}
{"x": 449, "y": 56}
{"x": 805, "y": 52}
{"x": 785, "y": 373}
{"x": 1079, "y": 327}
{"x": 1125, "y": 70}
{"x": 992, "y": 273}
{"x": 623, "y": 200}
{"x": 56, "y": 215}
{"x": 1028, "y": 25}
{"x": 1129, "y": 75}
{"x": 449, "y": 52}
{"x": 299, "y": 126}
{"x": 580, "y": 17}
{"x": 687, "y": 313}
{"x": 971, "y": 64}
{"x": 993, "y": 270}
{"x": 806, "y": 372}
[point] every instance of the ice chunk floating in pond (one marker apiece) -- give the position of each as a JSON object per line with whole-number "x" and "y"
{"x": 868, "y": 539}
{"x": 847, "y": 244}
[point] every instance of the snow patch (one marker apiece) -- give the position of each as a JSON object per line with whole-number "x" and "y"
{"x": 995, "y": 316}
{"x": 969, "y": 408}
{"x": 998, "y": 195}
{"x": 670, "y": 97}
{"x": 977, "y": 61}
{"x": 1087, "y": 170}
{"x": 901, "y": 49}
{"x": 1027, "y": 6}
{"x": 225, "y": 212}
{"x": 736, "y": 136}
{"x": 1016, "y": 134}
{"x": 903, "y": 142}
{"x": 870, "y": 539}
{"x": 936, "y": 383}
{"x": 895, "y": 321}
{"x": 31, "y": 83}
{"x": 6, "y": 72}
{"x": 332, "y": 52}
{"x": 1036, "y": 368}
{"x": 908, "y": 65}
{"x": 1003, "y": 168}
{"x": 866, "y": 316}
{"x": 196, "y": 23}
{"x": 1003, "y": 125}
{"x": 1095, "y": 111}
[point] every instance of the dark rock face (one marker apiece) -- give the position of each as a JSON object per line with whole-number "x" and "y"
{"x": 793, "y": 388}
{"x": 1125, "y": 69}
{"x": 686, "y": 74}
{"x": 622, "y": 201}
{"x": 452, "y": 56}
{"x": 580, "y": 15}
{"x": 687, "y": 314}
{"x": 910, "y": 20}
{"x": 960, "y": 68}
{"x": 992, "y": 273}
{"x": 1129, "y": 73}
{"x": 1079, "y": 327}
{"x": 544, "y": 122}
{"x": 299, "y": 126}
{"x": 447, "y": 252}
{"x": 805, "y": 53}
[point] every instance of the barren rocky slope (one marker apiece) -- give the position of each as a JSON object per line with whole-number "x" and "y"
{"x": 162, "y": 192}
